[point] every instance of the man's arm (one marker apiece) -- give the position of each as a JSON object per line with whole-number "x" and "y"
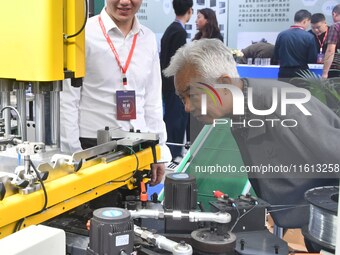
{"x": 69, "y": 118}
{"x": 276, "y": 54}
{"x": 329, "y": 57}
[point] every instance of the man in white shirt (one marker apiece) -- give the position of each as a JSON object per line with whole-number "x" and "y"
{"x": 121, "y": 56}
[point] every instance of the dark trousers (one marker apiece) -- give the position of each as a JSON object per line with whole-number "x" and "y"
{"x": 175, "y": 119}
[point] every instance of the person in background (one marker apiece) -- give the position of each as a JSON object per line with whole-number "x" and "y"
{"x": 174, "y": 37}
{"x": 331, "y": 66}
{"x": 121, "y": 61}
{"x": 319, "y": 31}
{"x": 333, "y": 45}
{"x": 295, "y": 48}
{"x": 260, "y": 49}
{"x": 207, "y": 26}
{"x": 315, "y": 139}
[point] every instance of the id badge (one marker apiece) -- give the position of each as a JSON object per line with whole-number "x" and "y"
{"x": 320, "y": 58}
{"x": 126, "y": 104}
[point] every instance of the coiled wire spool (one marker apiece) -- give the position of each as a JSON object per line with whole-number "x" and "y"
{"x": 322, "y": 227}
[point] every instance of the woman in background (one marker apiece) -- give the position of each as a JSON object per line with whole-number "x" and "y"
{"x": 207, "y": 25}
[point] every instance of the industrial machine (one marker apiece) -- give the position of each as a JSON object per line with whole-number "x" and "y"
{"x": 34, "y": 193}
{"x": 38, "y": 182}
{"x": 234, "y": 226}
{"x": 41, "y": 185}
{"x": 49, "y": 50}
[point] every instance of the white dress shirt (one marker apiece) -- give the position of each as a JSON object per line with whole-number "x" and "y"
{"x": 91, "y": 107}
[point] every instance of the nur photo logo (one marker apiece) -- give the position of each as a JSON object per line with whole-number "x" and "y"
{"x": 282, "y": 99}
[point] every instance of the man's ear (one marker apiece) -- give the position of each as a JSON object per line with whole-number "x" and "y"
{"x": 190, "y": 11}
{"x": 224, "y": 79}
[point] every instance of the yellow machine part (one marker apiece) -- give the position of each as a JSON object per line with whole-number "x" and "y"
{"x": 74, "y": 47}
{"x": 69, "y": 191}
{"x": 32, "y": 39}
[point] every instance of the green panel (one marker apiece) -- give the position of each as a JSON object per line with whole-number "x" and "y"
{"x": 98, "y": 6}
{"x": 216, "y": 149}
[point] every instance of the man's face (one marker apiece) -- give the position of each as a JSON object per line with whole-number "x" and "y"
{"x": 189, "y": 89}
{"x": 122, "y": 10}
{"x": 319, "y": 27}
{"x": 336, "y": 17}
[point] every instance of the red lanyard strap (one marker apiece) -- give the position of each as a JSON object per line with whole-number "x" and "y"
{"x": 108, "y": 39}
{"x": 323, "y": 41}
{"x": 294, "y": 26}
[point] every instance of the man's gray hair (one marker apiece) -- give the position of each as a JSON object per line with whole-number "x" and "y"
{"x": 210, "y": 58}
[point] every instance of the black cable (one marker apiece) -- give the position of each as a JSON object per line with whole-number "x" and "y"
{"x": 240, "y": 217}
{"x": 19, "y": 222}
{"x": 237, "y": 219}
{"x": 83, "y": 26}
{"x": 204, "y": 195}
{"x": 43, "y": 187}
{"x": 288, "y": 207}
{"x": 18, "y": 225}
{"x": 137, "y": 164}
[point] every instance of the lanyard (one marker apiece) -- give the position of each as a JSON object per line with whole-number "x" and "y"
{"x": 323, "y": 41}
{"x": 297, "y": 27}
{"x": 123, "y": 69}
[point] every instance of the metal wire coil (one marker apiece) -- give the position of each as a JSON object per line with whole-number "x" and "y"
{"x": 322, "y": 225}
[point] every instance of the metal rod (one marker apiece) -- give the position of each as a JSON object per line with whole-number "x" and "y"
{"x": 21, "y": 106}
{"x": 6, "y": 86}
{"x": 19, "y": 121}
{"x": 39, "y": 118}
{"x": 27, "y": 164}
{"x": 55, "y": 113}
{"x": 176, "y": 144}
{"x": 39, "y": 107}
{"x": 5, "y": 101}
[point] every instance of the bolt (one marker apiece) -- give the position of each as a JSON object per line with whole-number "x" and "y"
{"x": 242, "y": 242}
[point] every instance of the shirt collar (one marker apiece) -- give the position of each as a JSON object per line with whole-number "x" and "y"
{"x": 111, "y": 25}
{"x": 180, "y": 22}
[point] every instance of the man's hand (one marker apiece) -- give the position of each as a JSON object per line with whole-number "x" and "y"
{"x": 157, "y": 173}
{"x": 88, "y": 224}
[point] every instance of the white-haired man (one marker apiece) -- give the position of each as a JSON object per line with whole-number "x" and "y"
{"x": 293, "y": 133}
